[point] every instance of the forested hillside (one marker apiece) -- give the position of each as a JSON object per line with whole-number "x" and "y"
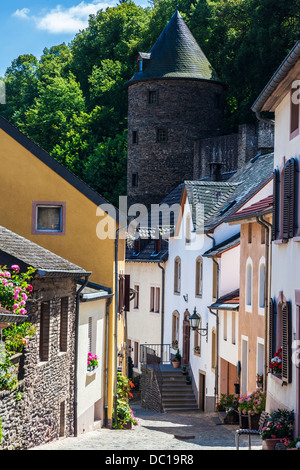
{"x": 72, "y": 100}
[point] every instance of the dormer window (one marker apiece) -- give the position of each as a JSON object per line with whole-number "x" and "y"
{"x": 140, "y": 65}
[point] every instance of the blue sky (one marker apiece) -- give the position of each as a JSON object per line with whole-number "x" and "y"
{"x": 27, "y": 27}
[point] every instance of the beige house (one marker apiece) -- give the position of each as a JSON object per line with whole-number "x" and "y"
{"x": 255, "y": 221}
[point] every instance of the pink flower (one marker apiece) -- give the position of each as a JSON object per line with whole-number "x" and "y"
{"x": 24, "y": 296}
{"x": 23, "y": 311}
{"x": 15, "y": 267}
{"x": 22, "y": 303}
{"x": 29, "y": 288}
{"x": 15, "y": 306}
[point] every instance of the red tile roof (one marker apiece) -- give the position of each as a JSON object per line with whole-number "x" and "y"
{"x": 260, "y": 206}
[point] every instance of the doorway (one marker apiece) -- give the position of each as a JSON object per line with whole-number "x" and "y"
{"x": 201, "y": 392}
{"x": 186, "y": 339}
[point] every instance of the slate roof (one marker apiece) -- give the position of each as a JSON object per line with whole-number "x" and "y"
{"x": 175, "y": 54}
{"x": 253, "y": 176}
{"x": 261, "y": 207}
{"x": 18, "y": 248}
{"x": 230, "y": 301}
{"x": 224, "y": 246}
{"x": 206, "y": 198}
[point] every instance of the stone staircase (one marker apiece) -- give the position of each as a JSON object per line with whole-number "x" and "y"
{"x": 177, "y": 395}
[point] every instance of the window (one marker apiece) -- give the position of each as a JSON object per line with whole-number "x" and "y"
{"x": 225, "y": 319}
{"x": 154, "y": 299}
{"x": 215, "y": 279}
{"x": 213, "y": 349}
{"x": 233, "y": 327}
{"x": 44, "y": 331}
{"x": 175, "y": 328}
{"x": 136, "y": 301}
{"x": 199, "y": 276}
{"x": 161, "y": 135}
{"x": 188, "y": 229}
{"x": 92, "y": 332}
{"x": 153, "y": 97}
{"x": 136, "y": 354}
{"x": 249, "y": 233}
{"x": 48, "y": 218}
{"x": 295, "y": 116}
{"x": 134, "y": 139}
{"x": 140, "y": 65}
{"x": 249, "y": 284}
{"x": 177, "y": 275}
{"x": 135, "y": 180}
{"x": 285, "y": 205}
{"x": 262, "y": 277}
{"x": 280, "y": 334}
{"x": 63, "y": 337}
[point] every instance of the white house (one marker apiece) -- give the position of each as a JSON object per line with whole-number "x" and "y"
{"x": 92, "y": 338}
{"x": 281, "y": 96}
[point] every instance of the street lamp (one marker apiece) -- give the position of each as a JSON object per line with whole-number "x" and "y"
{"x": 195, "y": 324}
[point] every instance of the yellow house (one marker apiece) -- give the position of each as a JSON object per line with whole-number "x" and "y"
{"x": 44, "y": 202}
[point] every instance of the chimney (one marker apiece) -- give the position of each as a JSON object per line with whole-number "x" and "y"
{"x": 215, "y": 171}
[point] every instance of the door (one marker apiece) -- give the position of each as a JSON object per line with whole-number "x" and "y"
{"x": 201, "y": 392}
{"x": 186, "y": 339}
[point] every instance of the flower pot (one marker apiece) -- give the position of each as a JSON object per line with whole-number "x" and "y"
{"x": 127, "y": 425}
{"x": 269, "y": 444}
{"x": 243, "y": 421}
{"x": 175, "y": 364}
{"x": 253, "y": 421}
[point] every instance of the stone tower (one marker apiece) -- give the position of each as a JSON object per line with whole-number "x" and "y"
{"x": 174, "y": 99}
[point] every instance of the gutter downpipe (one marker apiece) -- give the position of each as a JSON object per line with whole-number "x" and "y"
{"x": 267, "y": 226}
{"x": 217, "y": 359}
{"x": 108, "y": 302}
{"x": 86, "y": 280}
{"x": 267, "y": 121}
{"x": 163, "y": 272}
{"x": 217, "y": 324}
{"x": 116, "y": 320}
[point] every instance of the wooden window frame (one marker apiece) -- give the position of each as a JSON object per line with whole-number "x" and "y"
{"x": 177, "y": 275}
{"x": 36, "y": 205}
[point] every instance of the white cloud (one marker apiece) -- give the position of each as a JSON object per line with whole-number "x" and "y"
{"x": 64, "y": 20}
{"x": 21, "y": 13}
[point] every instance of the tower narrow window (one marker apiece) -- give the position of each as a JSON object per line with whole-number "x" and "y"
{"x": 161, "y": 135}
{"x": 134, "y": 137}
{"x": 153, "y": 97}
{"x": 135, "y": 180}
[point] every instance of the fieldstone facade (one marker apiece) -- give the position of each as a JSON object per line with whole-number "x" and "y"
{"x": 42, "y": 409}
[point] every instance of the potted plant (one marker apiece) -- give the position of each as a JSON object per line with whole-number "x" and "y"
{"x": 175, "y": 344}
{"x": 184, "y": 370}
{"x": 279, "y": 427}
{"x": 260, "y": 380}
{"x": 197, "y": 349}
{"x": 256, "y": 404}
{"x": 188, "y": 380}
{"x": 276, "y": 363}
{"x": 125, "y": 416}
{"x": 176, "y": 359}
{"x": 243, "y": 412}
{"x": 291, "y": 445}
{"x": 92, "y": 361}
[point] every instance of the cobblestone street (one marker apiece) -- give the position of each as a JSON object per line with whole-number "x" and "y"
{"x": 160, "y": 432}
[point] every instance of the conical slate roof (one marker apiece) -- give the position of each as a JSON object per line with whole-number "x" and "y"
{"x": 175, "y": 54}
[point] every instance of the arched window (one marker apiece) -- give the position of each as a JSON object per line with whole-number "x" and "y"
{"x": 175, "y": 329}
{"x": 177, "y": 275}
{"x": 249, "y": 284}
{"x": 262, "y": 277}
{"x": 199, "y": 276}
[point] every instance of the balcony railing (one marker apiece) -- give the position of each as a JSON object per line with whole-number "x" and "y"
{"x": 155, "y": 353}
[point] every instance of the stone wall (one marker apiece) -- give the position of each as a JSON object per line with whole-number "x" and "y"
{"x": 187, "y": 110}
{"x": 234, "y": 150}
{"x": 46, "y": 409}
{"x": 150, "y": 392}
